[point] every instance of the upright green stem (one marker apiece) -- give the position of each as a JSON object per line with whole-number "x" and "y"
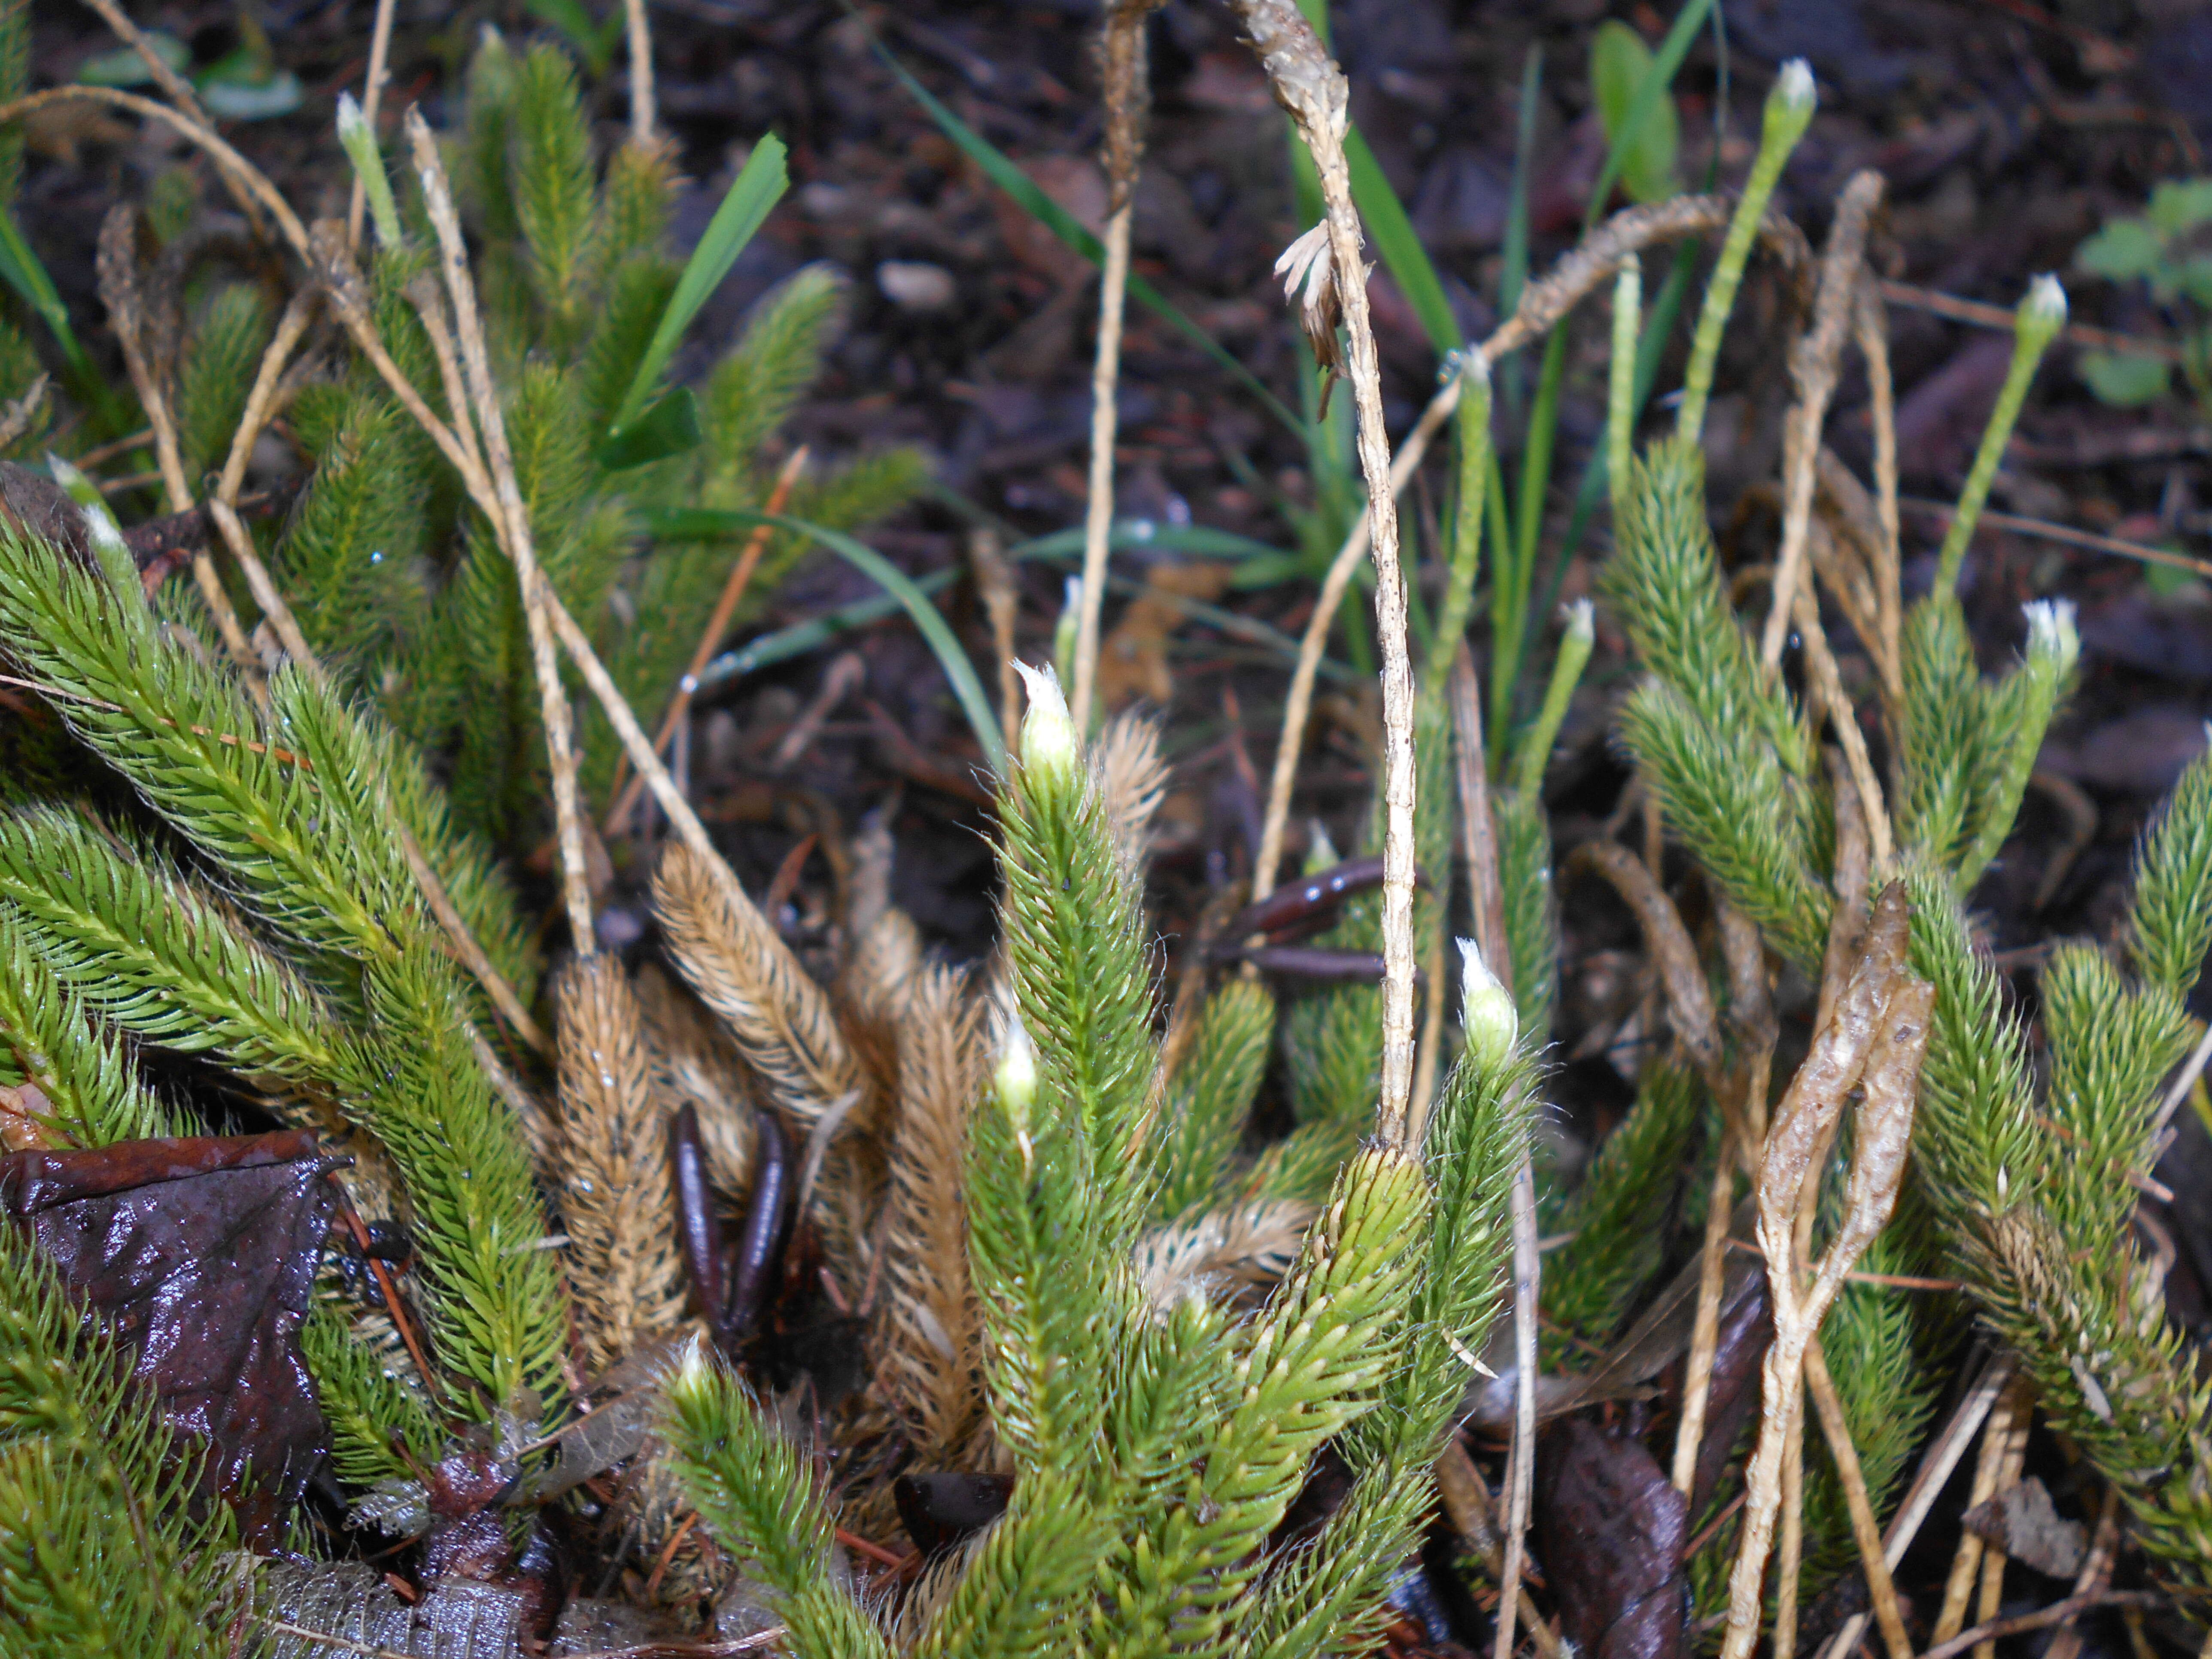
{"x": 1534, "y": 753}
{"x": 1516, "y": 573}
{"x": 1620, "y": 390}
{"x": 2041, "y": 314}
{"x": 1789, "y": 112}
{"x": 1474, "y": 463}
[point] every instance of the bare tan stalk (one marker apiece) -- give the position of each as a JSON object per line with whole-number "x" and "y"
{"x": 1870, "y": 589}
{"x": 1874, "y": 1039}
{"x": 1429, "y": 1055}
{"x": 424, "y": 295}
{"x": 1521, "y": 1460}
{"x": 2095, "y": 1575}
{"x": 1542, "y": 304}
{"x": 623, "y": 1270}
{"x": 1308, "y": 84}
{"x": 1478, "y": 831}
{"x": 1866, "y": 1531}
{"x": 641, "y": 112}
{"x": 729, "y": 951}
{"x": 372, "y": 98}
{"x": 238, "y": 172}
{"x": 718, "y": 624}
{"x": 553, "y": 700}
{"x": 1872, "y": 331}
{"x": 1789, "y": 1548}
{"x": 1994, "y": 1558}
{"x": 1689, "y": 999}
{"x": 1829, "y": 682}
{"x": 1122, "y": 62}
{"x": 933, "y": 1346}
{"x": 1002, "y": 602}
{"x": 126, "y": 315}
{"x": 1466, "y": 1504}
{"x": 1705, "y": 1331}
{"x": 1813, "y": 362}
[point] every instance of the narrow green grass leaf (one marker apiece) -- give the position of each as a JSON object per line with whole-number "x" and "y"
{"x": 757, "y": 189}
{"x": 21, "y": 270}
{"x": 1407, "y": 261}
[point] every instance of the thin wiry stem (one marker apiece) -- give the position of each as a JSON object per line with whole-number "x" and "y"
{"x": 1124, "y": 63}
{"x": 1812, "y": 366}
{"x": 1866, "y": 1532}
{"x": 371, "y": 95}
{"x": 1520, "y": 1461}
{"x": 1308, "y": 82}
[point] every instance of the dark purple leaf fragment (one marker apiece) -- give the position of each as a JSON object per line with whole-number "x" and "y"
{"x": 1612, "y": 1531}
{"x": 199, "y": 1254}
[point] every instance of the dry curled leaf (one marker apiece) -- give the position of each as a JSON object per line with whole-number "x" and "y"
{"x": 1612, "y": 1531}
{"x": 199, "y": 1253}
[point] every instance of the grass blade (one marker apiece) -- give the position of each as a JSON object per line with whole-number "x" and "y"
{"x": 757, "y": 189}
{"x": 999, "y": 168}
{"x": 704, "y": 522}
{"x": 1407, "y": 261}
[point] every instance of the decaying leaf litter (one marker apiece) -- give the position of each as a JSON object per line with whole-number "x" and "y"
{"x": 798, "y": 1089}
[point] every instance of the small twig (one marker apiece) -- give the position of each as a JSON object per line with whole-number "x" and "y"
{"x": 1994, "y": 1558}
{"x": 2056, "y": 1613}
{"x": 1829, "y": 682}
{"x": 725, "y": 606}
{"x": 2067, "y": 533}
{"x": 1889, "y": 1281}
{"x": 2096, "y": 1571}
{"x": 1812, "y": 366}
{"x": 1520, "y": 1461}
{"x": 23, "y": 410}
{"x": 1966, "y": 1561}
{"x": 1988, "y": 316}
{"x": 391, "y": 1303}
{"x": 1871, "y": 328}
{"x": 1689, "y": 997}
{"x": 371, "y": 95}
{"x": 876, "y": 1553}
{"x": 667, "y": 1556}
{"x": 1866, "y": 1532}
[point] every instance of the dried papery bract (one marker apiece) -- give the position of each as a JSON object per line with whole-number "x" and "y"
{"x": 1875, "y": 1040}
{"x": 615, "y": 1204}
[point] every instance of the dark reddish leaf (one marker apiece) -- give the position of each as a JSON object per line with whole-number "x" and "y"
{"x": 1612, "y": 1531}
{"x": 1747, "y": 1328}
{"x": 199, "y": 1254}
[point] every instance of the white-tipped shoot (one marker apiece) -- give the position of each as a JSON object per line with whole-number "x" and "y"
{"x": 2052, "y": 634}
{"x": 1049, "y": 741}
{"x": 1015, "y": 1084}
{"x": 99, "y": 522}
{"x": 1486, "y": 1011}
{"x": 2042, "y": 310}
{"x": 359, "y": 141}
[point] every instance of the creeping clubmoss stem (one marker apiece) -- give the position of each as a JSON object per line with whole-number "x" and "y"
{"x": 1534, "y": 753}
{"x": 2041, "y": 314}
{"x": 360, "y": 140}
{"x": 1789, "y": 112}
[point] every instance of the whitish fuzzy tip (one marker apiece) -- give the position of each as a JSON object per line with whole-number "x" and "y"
{"x": 1582, "y": 623}
{"x": 1048, "y": 740}
{"x": 352, "y": 124}
{"x": 1016, "y": 1076}
{"x": 2043, "y": 310}
{"x": 86, "y": 494}
{"x": 1486, "y": 1013}
{"x": 1320, "y": 851}
{"x": 692, "y": 1371}
{"x": 2052, "y": 633}
{"x": 1793, "y": 89}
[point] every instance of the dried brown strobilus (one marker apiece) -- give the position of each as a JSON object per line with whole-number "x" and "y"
{"x": 1876, "y": 1037}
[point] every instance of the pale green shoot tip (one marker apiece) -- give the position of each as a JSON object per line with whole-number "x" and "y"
{"x": 1049, "y": 741}
{"x": 1486, "y": 1013}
